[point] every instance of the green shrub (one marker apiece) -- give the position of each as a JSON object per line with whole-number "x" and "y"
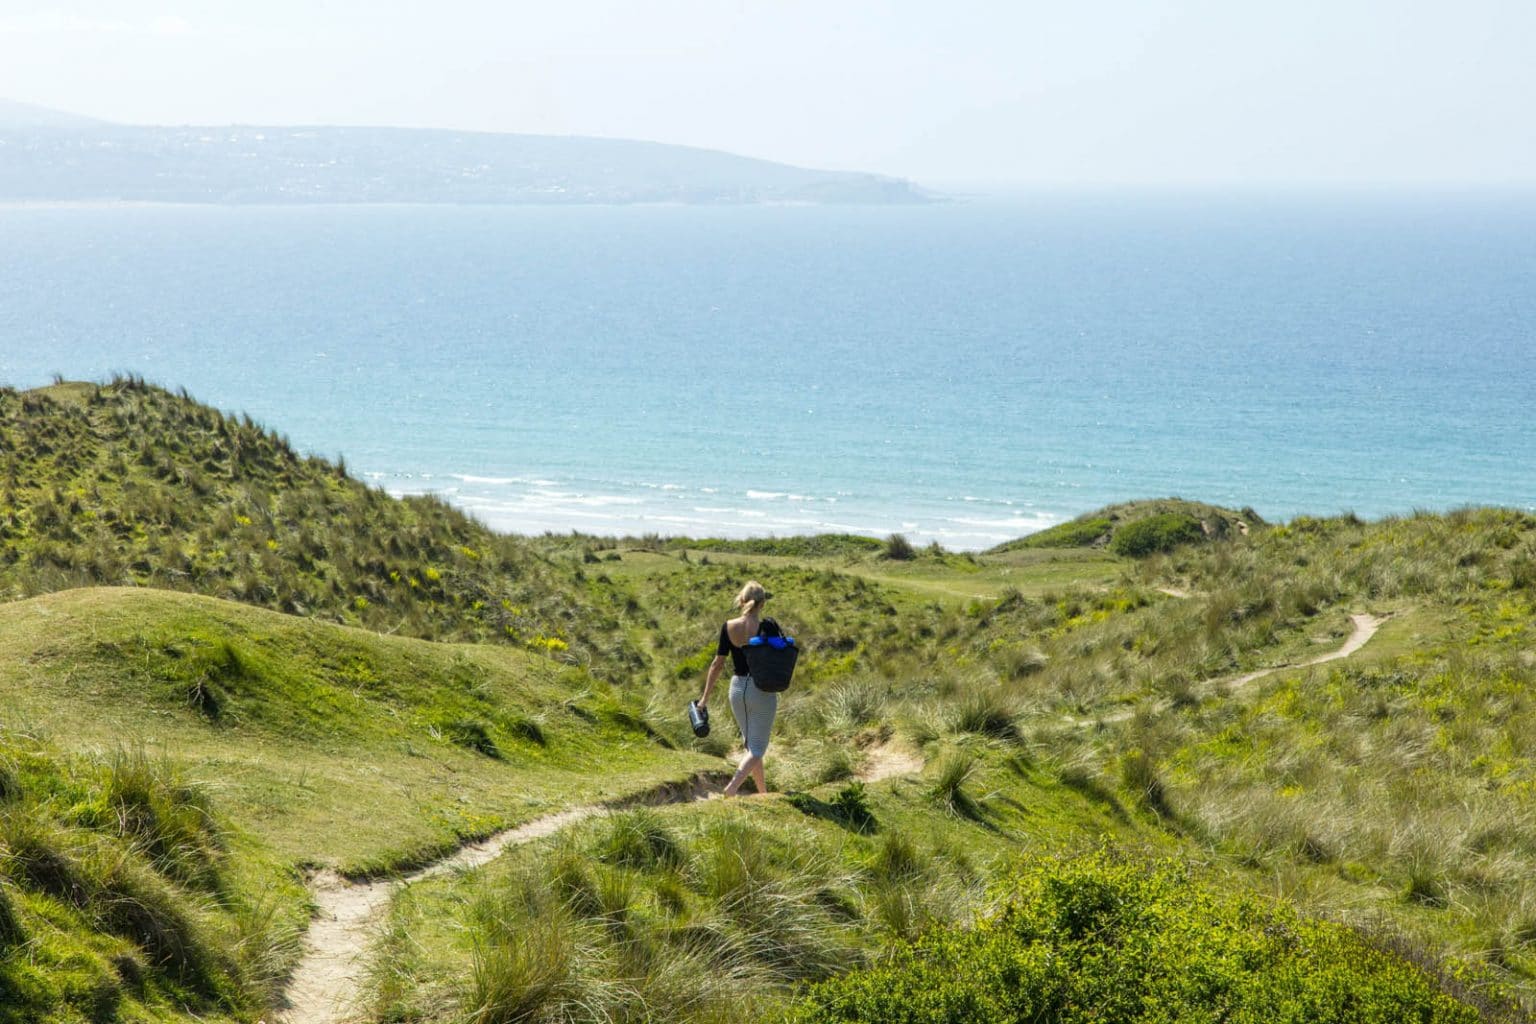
{"x": 1155, "y": 534}
{"x": 638, "y": 839}
{"x": 985, "y": 710}
{"x": 849, "y": 808}
{"x": 899, "y": 549}
{"x": 1119, "y": 942}
{"x": 956, "y": 769}
{"x": 473, "y": 734}
{"x": 850, "y": 805}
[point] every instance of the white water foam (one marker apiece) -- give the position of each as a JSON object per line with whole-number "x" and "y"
{"x": 536, "y": 503}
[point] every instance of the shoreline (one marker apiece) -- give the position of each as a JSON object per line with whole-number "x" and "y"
{"x": 674, "y": 511}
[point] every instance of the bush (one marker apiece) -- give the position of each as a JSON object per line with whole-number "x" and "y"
{"x": 985, "y": 710}
{"x": 638, "y": 839}
{"x": 899, "y": 549}
{"x": 473, "y": 734}
{"x": 956, "y": 769}
{"x": 849, "y": 808}
{"x": 1114, "y": 942}
{"x": 1155, "y": 534}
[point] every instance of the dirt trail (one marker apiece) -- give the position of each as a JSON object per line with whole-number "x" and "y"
{"x": 887, "y": 761}
{"x": 1365, "y": 628}
{"x": 1365, "y": 625}
{"x": 328, "y": 981}
{"x": 325, "y": 986}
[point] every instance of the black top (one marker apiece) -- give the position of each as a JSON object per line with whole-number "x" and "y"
{"x": 738, "y": 656}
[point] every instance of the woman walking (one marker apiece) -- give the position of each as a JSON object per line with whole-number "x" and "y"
{"x": 753, "y": 708}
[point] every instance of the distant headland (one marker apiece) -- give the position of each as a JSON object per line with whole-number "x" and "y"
{"x": 50, "y": 156}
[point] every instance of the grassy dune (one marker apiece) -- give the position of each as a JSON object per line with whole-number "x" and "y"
{"x": 342, "y": 747}
{"x": 188, "y": 757}
{"x": 128, "y": 484}
{"x": 224, "y": 665}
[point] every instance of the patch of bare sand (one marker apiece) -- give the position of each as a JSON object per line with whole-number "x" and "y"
{"x": 888, "y": 761}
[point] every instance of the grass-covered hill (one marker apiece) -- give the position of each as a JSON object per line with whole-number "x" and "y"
{"x": 127, "y": 484}
{"x": 1141, "y": 527}
{"x": 1116, "y": 777}
{"x": 171, "y": 765}
{"x": 122, "y": 897}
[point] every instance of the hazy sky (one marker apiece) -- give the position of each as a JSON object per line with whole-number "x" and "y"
{"x": 1091, "y": 91}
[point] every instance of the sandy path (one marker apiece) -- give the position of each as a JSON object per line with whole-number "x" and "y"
{"x": 325, "y": 986}
{"x": 1365, "y": 628}
{"x": 328, "y": 981}
{"x": 1365, "y": 625}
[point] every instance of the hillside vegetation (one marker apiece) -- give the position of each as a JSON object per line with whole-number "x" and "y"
{"x": 1141, "y": 527}
{"x": 1097, "y": 939}
{"x": 226, "y": 666}
{"x": 123, "y": 896}
{"x": 128, "y": 484}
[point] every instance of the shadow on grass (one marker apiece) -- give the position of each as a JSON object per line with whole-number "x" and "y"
{"x": 847, "y": 809}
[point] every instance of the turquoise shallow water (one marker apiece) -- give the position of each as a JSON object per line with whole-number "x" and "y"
{"x": 965, "y": 372}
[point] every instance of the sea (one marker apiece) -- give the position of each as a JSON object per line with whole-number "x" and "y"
{"x": 964, "y": 372}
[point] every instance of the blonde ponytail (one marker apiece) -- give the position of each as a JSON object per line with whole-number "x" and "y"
{"x": 751, "y": 597}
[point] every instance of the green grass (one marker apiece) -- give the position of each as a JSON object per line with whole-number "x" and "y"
{"x": 123, "y": 895}
{"x": 126, "y": 483}
{"x": 1393, "y": 790}
{"x": 226, "y": 663}
{"x": 710, "y": 911}
{"x": 318, "y": 720}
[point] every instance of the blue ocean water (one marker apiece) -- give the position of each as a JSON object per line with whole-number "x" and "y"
{"x": 965, "y": 372}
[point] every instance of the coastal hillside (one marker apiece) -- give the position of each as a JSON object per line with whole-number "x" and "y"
{"x": 173, "y": 768}
{"x": 1141, "y": 527}
{"x": 1218, "y": 702}
{"x": 259, "y": 716}
{"x": 127, "y": 484}
{"x": 55, "y": 157}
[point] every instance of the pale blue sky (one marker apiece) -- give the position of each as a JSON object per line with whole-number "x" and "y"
{"x": 1096, "y": 91}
